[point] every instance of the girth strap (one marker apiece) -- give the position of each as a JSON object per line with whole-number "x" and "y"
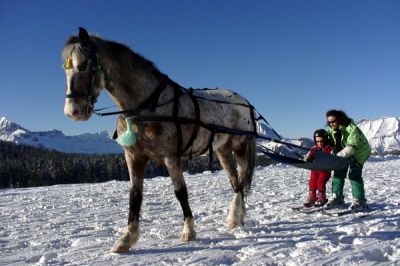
{"x": 197, "y": 123}
{"x": 175, "y": 114}
{"x": 210, "y": 152}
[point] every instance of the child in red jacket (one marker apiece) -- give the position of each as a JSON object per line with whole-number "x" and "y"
{"x": 318, "y": 179}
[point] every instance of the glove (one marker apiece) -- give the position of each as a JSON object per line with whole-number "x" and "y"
{"x": 308, "y": 157}
{"x": 346, "y": 152}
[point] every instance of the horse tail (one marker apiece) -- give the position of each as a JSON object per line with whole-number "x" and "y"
{"x": 251, "y": 162}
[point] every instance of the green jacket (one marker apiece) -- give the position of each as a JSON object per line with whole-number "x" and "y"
{"x": 353, "y": 136}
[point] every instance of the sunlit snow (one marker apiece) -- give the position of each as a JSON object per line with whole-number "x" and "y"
{"x": 78, "y": 224}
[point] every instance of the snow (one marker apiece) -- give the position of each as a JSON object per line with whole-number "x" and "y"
{"x": 78, "y": 224}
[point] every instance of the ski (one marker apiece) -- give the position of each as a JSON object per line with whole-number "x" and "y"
{"x": 313, "y": 209}
{"x": 360, "y": 213}
{"x": 300, "y": 208}
{"x": 307, "y": 210}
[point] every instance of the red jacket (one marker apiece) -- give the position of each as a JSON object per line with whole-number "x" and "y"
{"x": 311, "y": 154}
{"x": 318, "y": 179}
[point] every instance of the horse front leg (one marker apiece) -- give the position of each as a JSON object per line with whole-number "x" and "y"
{"x": 180, "y": 189}
{"x": 136, "y": 167}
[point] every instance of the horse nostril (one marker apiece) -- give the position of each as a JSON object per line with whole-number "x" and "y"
{"x": 75, "y": 112}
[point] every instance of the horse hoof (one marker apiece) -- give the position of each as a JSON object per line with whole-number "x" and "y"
{"x": 118, "y": 248}
{"x": 188, "y": 237}
{"x": 233, "y": 224}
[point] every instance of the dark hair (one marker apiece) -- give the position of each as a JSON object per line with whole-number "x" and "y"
{"x": 321, "y": 133}
{"x": 340, "y": 116}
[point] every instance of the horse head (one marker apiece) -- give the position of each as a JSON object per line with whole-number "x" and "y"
{"x": 84, "y": 76}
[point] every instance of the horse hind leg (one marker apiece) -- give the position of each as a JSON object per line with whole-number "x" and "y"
{"x": 237, "y": 207}
{"x": 181, "y": 193}
{"x": 245, "y": 154}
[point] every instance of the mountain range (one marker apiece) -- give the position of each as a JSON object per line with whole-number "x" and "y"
{"x": 97, "y": 143}
{"x": 383, "y": 134}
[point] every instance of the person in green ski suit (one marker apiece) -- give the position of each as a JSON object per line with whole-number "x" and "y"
{"x": 350, "y": 142}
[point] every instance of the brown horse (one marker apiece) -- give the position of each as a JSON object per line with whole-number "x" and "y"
{"x": 168, "y": 122}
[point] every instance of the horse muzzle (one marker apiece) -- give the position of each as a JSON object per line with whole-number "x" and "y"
{"x": 78, "y": 111}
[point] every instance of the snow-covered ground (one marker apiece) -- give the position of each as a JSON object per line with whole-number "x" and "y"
{"x": 78, "y": 224}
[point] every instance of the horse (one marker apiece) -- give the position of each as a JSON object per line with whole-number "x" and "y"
{"x": 167, "y": 122}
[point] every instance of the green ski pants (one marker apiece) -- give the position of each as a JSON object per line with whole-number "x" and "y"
{"x": 356, "y": 180}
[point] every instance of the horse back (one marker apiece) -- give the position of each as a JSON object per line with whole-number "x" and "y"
{"x": 226, "y": 108}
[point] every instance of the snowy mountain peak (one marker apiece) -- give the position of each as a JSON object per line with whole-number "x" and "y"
{"x": 97, "y": 143}
{"x": 383, "y": 134}
{"x": 8, "y": 126}
{"x": 9, "y": 130}
{"x": 266, "y": 130}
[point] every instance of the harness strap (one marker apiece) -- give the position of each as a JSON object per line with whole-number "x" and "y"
{"x": 197, "y": 123}
{"x": 76, "y": 94}
{"x": 175, "y": 114}
{"x": 253, "y": 117}
{"x": 210, "y": 152}
{"x": 211, "y": 127}
{"x": 151, "y": 103}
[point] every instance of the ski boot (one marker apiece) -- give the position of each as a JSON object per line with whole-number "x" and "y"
{"x": 312, "y": 197}
{"x": 321, "y": 201}
{"x": 335, "y": 202}
{"x": 359, "y": 205}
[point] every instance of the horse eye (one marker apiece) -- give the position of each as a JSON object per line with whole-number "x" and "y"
{"x": 82, "y": 67}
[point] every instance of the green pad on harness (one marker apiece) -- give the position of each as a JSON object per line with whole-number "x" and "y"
{"x": 128, "y": 138}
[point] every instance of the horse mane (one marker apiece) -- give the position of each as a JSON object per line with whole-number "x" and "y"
{"x": 115, "y": 51}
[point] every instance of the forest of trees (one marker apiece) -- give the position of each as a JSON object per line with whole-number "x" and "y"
{"x": 27, "y": 166}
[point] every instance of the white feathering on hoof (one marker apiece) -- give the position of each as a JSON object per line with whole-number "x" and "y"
{"x": 123, "y": 244}
{"x": 237, "y": 211}
{"x": 188, "y": 232}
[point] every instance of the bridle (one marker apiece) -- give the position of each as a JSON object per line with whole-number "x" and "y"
{"x": 95, "y": 69}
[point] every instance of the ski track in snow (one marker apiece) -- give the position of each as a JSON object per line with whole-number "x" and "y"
{"x": 78, "y": 224}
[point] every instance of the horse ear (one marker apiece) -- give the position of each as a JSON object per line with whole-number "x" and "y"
{"x": 84, "y": 37}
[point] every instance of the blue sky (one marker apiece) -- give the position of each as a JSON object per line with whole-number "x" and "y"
{"x": 292, "y": 59}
